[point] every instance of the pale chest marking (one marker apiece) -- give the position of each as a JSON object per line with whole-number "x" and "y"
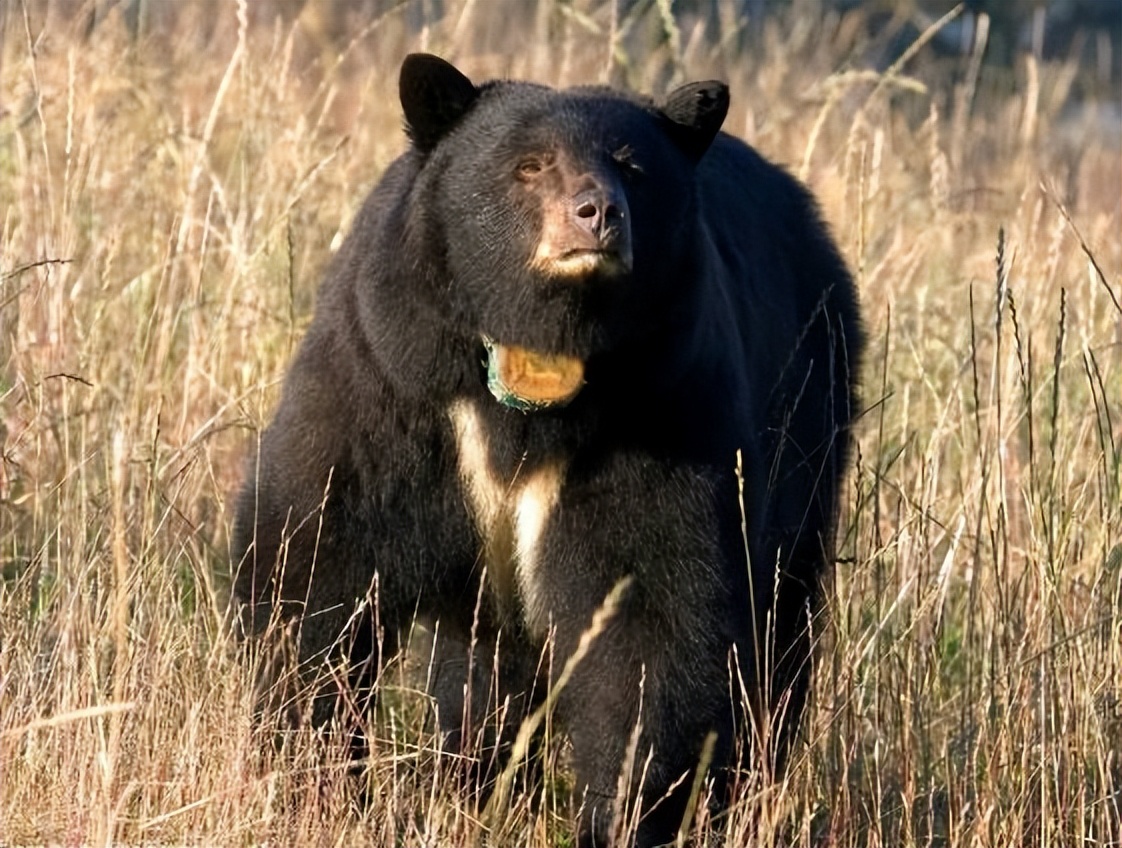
{"x": 511, "y": 515}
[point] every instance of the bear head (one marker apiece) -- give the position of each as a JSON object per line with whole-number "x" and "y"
{"x": 565, "y": 220}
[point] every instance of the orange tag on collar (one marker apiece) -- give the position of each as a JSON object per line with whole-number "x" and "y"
{"x": 527, "y": 380}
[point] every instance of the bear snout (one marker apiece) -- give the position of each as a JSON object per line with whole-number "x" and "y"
{"x": 586, "y": 226}
{"x": 587, "y": 236}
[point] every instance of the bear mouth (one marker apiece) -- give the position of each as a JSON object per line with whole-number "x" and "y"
{"x": 528, "y": 380}
{"x": 582, "y": 263}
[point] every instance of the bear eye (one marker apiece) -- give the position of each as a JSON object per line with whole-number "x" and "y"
{"x": 529, "y": 168}
{"x": 625, "y": 158}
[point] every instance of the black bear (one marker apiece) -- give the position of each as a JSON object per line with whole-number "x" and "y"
{"x": 561, "y": 320}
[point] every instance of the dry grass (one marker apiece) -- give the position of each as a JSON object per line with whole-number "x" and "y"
{"x": 166, "y": 206}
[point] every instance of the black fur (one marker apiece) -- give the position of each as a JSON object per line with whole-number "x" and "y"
{"x": 736, "y": 328}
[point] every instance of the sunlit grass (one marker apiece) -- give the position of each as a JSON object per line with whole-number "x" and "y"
{"x": 167, "y": 205}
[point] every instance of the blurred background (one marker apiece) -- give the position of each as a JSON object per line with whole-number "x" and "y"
{"x": 176, "y": 174}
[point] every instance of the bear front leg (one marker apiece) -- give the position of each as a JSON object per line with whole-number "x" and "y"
{"x": 342, "y": 557}
{"x": 647, "y": 682}
{"x": 658, "y": 672}
{"x": 482, "y": 684}
{"x": 301, "y": 591}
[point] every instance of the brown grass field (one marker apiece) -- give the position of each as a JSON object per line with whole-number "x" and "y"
{"x": 167, "y": 205}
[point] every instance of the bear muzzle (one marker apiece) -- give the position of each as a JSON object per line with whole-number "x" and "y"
{"x": 585, "y": 235}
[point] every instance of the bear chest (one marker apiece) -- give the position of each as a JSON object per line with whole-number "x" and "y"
{"x": 510, "y": 515}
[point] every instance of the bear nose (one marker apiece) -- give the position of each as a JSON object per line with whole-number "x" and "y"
{"x": 596, "y": 211}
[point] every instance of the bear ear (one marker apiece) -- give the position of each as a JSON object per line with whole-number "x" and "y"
{"x": 694, "y": 114}
{"x": 434, "y": 96}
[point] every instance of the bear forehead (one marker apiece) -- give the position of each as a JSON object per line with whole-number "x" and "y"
{"x": 588, "y": 98}
{"x": 580, "y": 115}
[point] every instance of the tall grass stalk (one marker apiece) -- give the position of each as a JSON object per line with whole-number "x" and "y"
{"x": 168, "y": 200}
